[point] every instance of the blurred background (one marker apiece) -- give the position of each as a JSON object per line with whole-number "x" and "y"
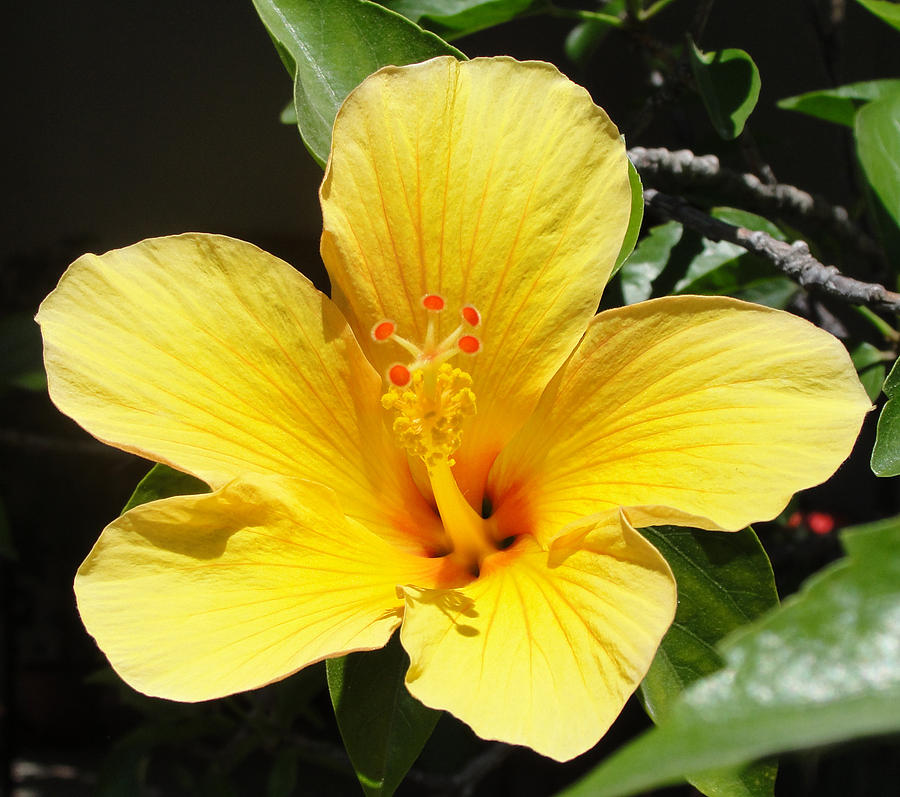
{"x": 134, "y": 120}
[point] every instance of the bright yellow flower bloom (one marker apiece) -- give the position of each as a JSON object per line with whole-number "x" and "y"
{"x": 468, "y": 466}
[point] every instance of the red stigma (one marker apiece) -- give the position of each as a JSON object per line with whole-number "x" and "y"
{"x": 431, "y": 301}
{"x": 381, "y": 332}
{"x": 399, "y": 375}
{"x": 471, "y": 316}
{"x": 469, "y": 344}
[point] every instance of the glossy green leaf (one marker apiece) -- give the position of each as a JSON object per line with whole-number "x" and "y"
{"x": 636, "y": 218}
{"x": 454, "y": 18}
{"x": 725, "y": 269}
{"x": 728, "y": 82}
{"x": 384, "y": 728}
{"x": 744, "y": 218}
{"x": 887, "y": 11}
{"x": 724, "y": 582}
{"x": 164, "y": 482}
{"x": 648, "y": 261}
{"x": 870, "y": 367}
{"x": 744, "y": 276}
{"x": 715, "y": 255}
{"x": 841, "y": 104}
{"x": 886, "y": 454}
{"x": 878, "y": 147}
{"x": 822, "y": 668}
{"x": 331, "y": 46}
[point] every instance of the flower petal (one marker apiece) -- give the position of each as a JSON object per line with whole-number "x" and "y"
{"x": 215, "y": 357}
{"x": 197, "y": 597}
{"x": 544, "y": 648}
{"x": 686, "y": 410}
{"x": 490, "y": 182}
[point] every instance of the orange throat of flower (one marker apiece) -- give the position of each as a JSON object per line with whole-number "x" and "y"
{"x": 431, "y": 400}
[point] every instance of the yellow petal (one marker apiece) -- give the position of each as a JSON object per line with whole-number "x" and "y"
{"x": 215, "y": 357}
{"x": 686, "y": 410}
{"x": 196, "y": 597}
{"x": 544, "y": 648}
{"x": 490, "y": 182}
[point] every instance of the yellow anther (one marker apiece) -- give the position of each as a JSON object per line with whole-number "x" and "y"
{"x": 431, "y": 409}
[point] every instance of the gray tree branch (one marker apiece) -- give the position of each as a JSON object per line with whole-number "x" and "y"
{"x": 792, "y": 259}
{"x": 682, "y": 170}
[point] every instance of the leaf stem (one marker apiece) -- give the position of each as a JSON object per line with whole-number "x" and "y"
{"x": 586, "y": 16}
{"x": 654, "y": 9}
{"x": 886, "y": 330}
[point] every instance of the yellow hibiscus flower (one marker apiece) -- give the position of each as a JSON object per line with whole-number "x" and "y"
{"x": 454, "y": 444}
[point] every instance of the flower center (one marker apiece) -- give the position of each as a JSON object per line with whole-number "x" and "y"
{"x": 431, "y": 408}
{"x": 431, "y": 400}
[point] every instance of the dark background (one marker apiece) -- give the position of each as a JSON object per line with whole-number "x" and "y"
{"x": 125, "y": 121}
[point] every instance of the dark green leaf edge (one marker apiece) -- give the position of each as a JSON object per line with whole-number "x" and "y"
{"x": 885, "y": 460}
{"x": 384, "y": 728}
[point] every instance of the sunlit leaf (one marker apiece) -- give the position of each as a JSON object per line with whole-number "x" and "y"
{"x": 822, "y": 668}
{"x": 724, "y": 582}
{"x": 383, "y": 727}
{"x": 841, "y": 104}
{"x": 722, "y": 268}
{"x": 728, "y": 82}
{"x": 869, "y": 363}
{"x": 454, "y": 18}
{"x": 164, "y": 482}
{"x": 886, "y": 454}
{"x": 634, "y": 221}
{"x": 887, "y": 11}
{"x": 330, "y": 46}
{"x": 648, "y": 261}
{"x": 878, "y": 147}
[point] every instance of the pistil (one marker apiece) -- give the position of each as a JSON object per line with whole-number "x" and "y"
{"x": 468, "y": 531}
{"x": 431, "y": 400}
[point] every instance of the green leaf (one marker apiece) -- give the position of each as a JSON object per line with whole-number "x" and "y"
{"x": 869, "y": 363}
{"x": 888, "y": 12}
{"x": 20, "y": 353}
{"x": 634, "y": 221}
{"x": 384, "y": 728}
{"x": 841, "y": 104}
{"x": 331, "y": 46}
{"x": 725, "y": 269}
{"x": 454, "y": 18}
{"x": 715, "y": 255}
{"x": 164, "y": 482}
{"x": 724, "y": 582}
{"x": 585, "y": 38}
{"x": 886, "y": 454}
{"x": 878, "y": 147}
{"x": 728, "y": 82}
{"x": 822, "y": 668}
{"x": 648, "y": 261}
{"x": 288, "y": 115}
